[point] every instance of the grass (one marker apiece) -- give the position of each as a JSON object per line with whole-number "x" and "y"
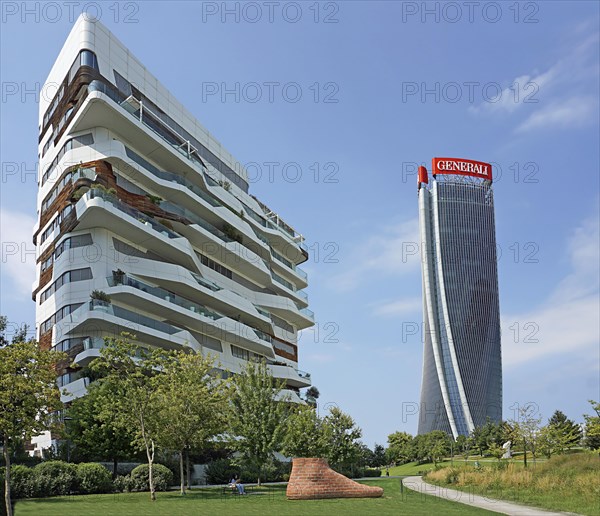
{"x": 415, "y": 468}
{"x": 563, "y": 483}
{"x": 269, "y": 500}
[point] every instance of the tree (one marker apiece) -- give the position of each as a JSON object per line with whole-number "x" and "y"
{"x": 526, "y": 429}
{"x": 379, "y": 458}
{"x": 129, "y": 370}
{"x": 192, "y": 404}
{"x": 592, "y": 427}
{"x": 304, "y": 434}
{"x": 28, "y": 395}
{"x": 488, "y": 434}
{"x": 256, "y": 418}
{"x": 558, "y": 435}
{"x": 341, "y": 436}
{"x": 496, "y": 450}
{"x": 438, "y": 445}
{"x": 400, "y": 447}
{"x": 312, "y": 395}
{"x": 569, "y": 430}
{"x": 93, "y": 427}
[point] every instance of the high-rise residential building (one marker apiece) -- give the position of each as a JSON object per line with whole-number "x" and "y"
{"x": 462, "y": 367}
{"x": 146, "y": 225}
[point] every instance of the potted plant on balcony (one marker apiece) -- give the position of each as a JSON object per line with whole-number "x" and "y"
{"x": 100, "y": 300}
{"x": 231, "y": 232}
{"x": 118, "y": 276}
{"x": 78, "y": 194}
{"x": 154, "y": 199}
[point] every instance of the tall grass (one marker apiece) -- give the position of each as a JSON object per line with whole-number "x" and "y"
{"x": 566, "y": 482}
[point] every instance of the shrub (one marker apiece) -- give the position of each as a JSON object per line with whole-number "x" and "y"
{"x": 54, "y": 477}
{"x": 122, "y": 484}
{"x": 372, "y": 472}
{"x": 162, "y": 478}
{"x": 22, "y": 483}
{"x": 93, "y": 478}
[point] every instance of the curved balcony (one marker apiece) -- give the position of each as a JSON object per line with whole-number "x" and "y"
{"x": 226, "y": 329}
{"x": 293, "y": 377}
{"x": 108, "y": 319}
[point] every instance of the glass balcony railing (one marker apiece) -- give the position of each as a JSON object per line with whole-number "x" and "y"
{"x": 161, "y": 293}
{"x": 84, "y": 173}
{"x": 172, "y": 177}
{"x": 301, "y": 273}
{"x": 263, "y": 336}
{"x": 122, "y": 313}
{"x": 283, "y": 282}
{"x": 309, "y": 313}
{"x": 263, "y": 312}
{"x": 206, "y": 283}
{"x": 303, "y": 374}
{"x": 132, "y": 212}
{"x": 150, "y": 120}
{"x": 93, "y": 343}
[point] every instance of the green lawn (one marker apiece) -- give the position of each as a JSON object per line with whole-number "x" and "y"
{"x": 270, "y": 500}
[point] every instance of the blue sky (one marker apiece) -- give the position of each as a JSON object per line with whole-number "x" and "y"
{"x": 518, "y": 87}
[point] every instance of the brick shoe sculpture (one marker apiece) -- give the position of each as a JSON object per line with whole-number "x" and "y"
{"x": 313, "y": 479}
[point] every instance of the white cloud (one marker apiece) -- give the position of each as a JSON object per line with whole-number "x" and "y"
{"x": 18, "y": 252}
{"x": 522, "y": 91}
{"x": 567, "y": 323}
{"x": 399, "y": 307}
{"x": 395, "y": 250}
{"x": 564, "y": 95}
{"x": 571, "y": 113}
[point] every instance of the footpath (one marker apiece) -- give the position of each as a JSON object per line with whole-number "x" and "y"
{"x": 514, "y": 509}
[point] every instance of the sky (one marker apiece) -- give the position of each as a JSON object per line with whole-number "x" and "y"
{"x": 332, "y": 106}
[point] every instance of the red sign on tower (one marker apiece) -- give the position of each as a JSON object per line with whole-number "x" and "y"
{"x": 463, "y": 167}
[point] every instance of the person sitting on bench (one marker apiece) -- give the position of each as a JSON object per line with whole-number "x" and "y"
{"x": 238, "y": 484}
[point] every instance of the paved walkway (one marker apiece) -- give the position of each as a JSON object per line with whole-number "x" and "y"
{"x": 417, "y": 484}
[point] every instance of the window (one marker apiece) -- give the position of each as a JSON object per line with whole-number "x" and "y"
{"x": 66, "y": 344}
{"x": 78, "y": 141}
{"x": 58, "y": 316}
{"x": 65, "y": 212}
{"x": 66, "y": 244}
{"x": 215, "y": 266}
{"x": 244, "y": 354}
{"x": 67, "y": 277}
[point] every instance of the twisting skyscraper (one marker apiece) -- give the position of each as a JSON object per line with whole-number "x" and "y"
{"x": 462, "y": 369}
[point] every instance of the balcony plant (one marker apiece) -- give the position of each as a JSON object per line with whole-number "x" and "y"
{"x": 100, "y": 300}
{"x": 231, "y": 232}
{"x": 118, "y": 276}
{"x": 78, "y": 194}
{"x": 155, "y": 199}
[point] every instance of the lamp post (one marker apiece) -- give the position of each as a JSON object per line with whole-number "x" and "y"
{"x": 65, "y": 419}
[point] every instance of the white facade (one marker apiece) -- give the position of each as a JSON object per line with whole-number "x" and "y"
{"x": 138, "y": 200}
